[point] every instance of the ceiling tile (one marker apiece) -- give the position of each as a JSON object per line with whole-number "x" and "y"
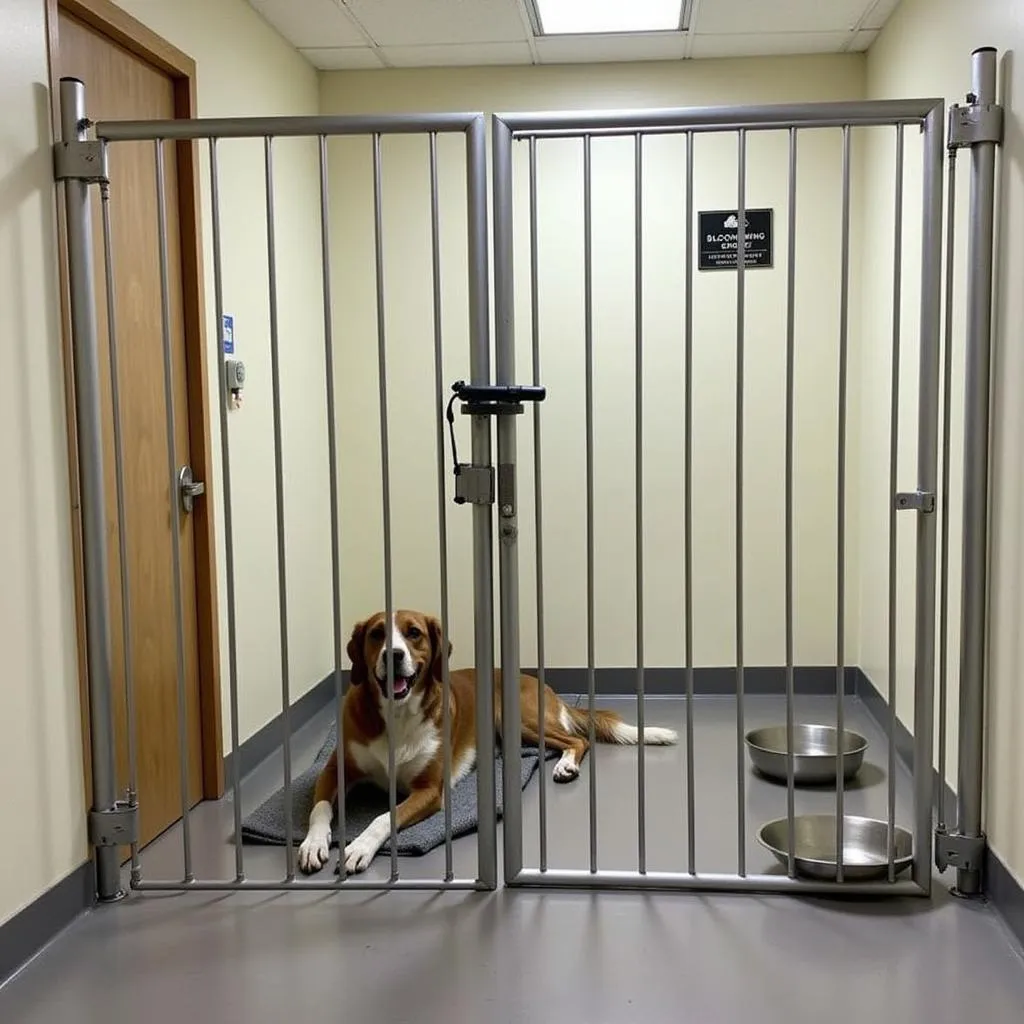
{"x": 610, "y": 48}
{"x": 766, "y": 44}
{"x": 341, "y": 58}
{"x": 439, "y": 22}
{"x": 747, "y": 17}
{"x": 310, "y": 22}
{"x": 877, "y": 13}
{"x": 464, "y": 55}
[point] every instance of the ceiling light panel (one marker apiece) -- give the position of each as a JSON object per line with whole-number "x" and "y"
{"x": 565, "y": 17}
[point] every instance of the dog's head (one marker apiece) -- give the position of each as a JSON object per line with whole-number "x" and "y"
{"x": 416, "y": 652}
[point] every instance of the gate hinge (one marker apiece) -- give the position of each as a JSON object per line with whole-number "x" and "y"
{"x": 118, "y": 826}
{"x": 80, "y": 161}
{"x": 974, "y": 122}
{"x": 496, "y": 399}
{"x": 919, "y": 501}
{"x": 474, "y": 485}
{"x": 953, "y": 850}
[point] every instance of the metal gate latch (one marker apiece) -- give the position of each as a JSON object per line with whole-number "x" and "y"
{"x": 919, "y": 501}
{"x": 474, "y": 485}
{"x": 118, "y": 826}
{"x": 189, "y": 488}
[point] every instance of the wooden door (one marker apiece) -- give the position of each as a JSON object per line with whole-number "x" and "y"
{"x": 119, "y": 84}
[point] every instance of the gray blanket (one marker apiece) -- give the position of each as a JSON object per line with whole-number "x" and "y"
{"x": 266, "y": 824}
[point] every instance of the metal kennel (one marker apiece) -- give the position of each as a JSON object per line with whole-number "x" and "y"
{"x": 491, "y": 488}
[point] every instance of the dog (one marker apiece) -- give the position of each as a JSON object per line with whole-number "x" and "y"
{"x": 417, "y": 724}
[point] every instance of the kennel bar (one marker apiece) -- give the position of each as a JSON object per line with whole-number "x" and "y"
{"x": 894, "y": 447}
{"x": 538, "y": 511}
{"x": 122, "y": 533}
{"x": 282, "y": 563}
{"x": 691, "y": 808}
{"x": 638, "y": 306}
{"x": 332, "y": 453}
{"x": 385, "y": 476}
{"x": 741, "y": 293}
{"x": 172, "y": 490}
{"x": 926, "y": 114}
{"x": 442, "y": 506}
{"x": 229, "y": 533}
{"x": 84, "y": 321}
{"x": 844, "y": 333}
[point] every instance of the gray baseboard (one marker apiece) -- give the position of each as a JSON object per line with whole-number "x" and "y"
{"x": 879, "y": 710}
{"x": 1005, "y": 893}
{"x": 260, "y": 745}
{"x": 707, "y": 682}
{"x": 1001, "y": 888}
{"x": 32, "y": 928}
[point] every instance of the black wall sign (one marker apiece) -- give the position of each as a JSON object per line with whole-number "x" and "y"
{"x": 718, "y": 238}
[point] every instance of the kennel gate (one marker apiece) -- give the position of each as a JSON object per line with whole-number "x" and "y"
{"x": 639, "y": 125}
{"x": 81, "y": 162}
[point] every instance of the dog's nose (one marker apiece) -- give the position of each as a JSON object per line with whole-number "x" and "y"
{"x": 398, "y": 662}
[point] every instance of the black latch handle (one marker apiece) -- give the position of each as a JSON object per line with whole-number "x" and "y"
{"x": 499, "y": 394}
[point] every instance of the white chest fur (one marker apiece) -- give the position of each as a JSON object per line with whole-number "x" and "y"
{"x": 417, "y": 741}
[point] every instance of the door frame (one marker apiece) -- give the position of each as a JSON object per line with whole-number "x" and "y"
{"x": 126, "y": 31}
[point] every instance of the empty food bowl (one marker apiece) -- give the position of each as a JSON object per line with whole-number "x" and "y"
{"x": 865, "y": 846}
{"x": 815, "y": 752}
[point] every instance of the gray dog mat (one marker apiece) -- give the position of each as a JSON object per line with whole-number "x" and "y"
{"x": 266, "y": 824}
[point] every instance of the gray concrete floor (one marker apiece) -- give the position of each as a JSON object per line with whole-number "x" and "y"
{"x": 515, "y": 956}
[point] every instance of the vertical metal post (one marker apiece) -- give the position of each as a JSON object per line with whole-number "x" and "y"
{"x": 483, "y": 568}
{"x": 741, "y": 262}
{"x": 844, "y": 311}
{"x": 927, "y": 466}
{"x": 691, "y": 812}
{"x": 638, "y": 301}
{"x": 282, "y": 576}
{"x": 122, "y": 517}
{"x": 894, "y": 447}
{"x": 332, "y": 471}
{"x": 385, "y": 463}
{"x": 588, "y": 346}
{"x": 508, "y": 554}
{"x": 976, "y": 473}
{"x": 88, "y": 410}
{"x": 943, "y": 502}
{"x": 538, "y": 508}
{"x": 442, "y": 508}
{"x": 790, "y": 372}
{"x": 229, "y": 530}
{"x": 175, "y": 511}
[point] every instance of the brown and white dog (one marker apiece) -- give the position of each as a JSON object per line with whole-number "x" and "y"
{"x": 417, "y": 721}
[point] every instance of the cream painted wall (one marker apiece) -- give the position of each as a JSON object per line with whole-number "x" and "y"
{"x": 411, "y": 403}
{"x": 925, "y": 50}
{"x": 244, "y": 68}
{"x": 39, "y": 690}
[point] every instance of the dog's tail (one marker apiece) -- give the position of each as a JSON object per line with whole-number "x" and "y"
{"x": 610, "y": 728}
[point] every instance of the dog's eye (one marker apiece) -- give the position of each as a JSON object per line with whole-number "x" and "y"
{"x": 377, "y": 633}
{"x": 413, "y": 633}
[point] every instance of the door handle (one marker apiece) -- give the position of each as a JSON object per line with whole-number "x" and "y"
{"x": 189, "y": 488}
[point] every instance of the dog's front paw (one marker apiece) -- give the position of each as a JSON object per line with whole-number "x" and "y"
{"x": 315, "y": 850}
{"x": 359, "y": 853}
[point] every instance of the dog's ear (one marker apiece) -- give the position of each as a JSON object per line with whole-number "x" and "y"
{"x": 355, "y": 652}
{"x": 437, "y": 647}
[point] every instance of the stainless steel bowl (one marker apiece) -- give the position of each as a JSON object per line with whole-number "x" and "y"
{"x": 865, "y": 846}
{"x": 815, "y": 752}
